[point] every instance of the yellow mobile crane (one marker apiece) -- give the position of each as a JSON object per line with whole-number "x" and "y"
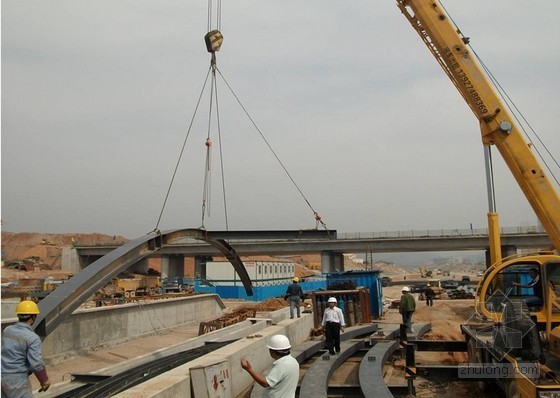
{"x": 518, "y": 331}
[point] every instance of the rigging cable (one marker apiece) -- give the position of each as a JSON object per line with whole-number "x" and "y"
{"x": 508, "y": 101}
{"x": 213, "y": 41}
{"x": 156, "y": 229}
{"x": 208, "y": 169}
{"x": 315, "y": 213}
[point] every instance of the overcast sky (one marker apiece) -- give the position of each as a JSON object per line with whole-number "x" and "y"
{"x": 97, "y": 97}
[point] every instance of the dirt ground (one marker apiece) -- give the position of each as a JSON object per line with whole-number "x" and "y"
{"x": 446, "y": 316}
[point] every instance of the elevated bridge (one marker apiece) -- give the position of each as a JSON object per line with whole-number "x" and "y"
{"x": 96, "y": 265}
{"x": 330, "y": 245}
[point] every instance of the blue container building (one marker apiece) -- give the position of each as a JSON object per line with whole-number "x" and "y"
{"x": 354, "y": 279}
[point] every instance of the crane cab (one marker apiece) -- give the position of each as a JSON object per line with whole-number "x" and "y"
{"x": 534, "y": 279}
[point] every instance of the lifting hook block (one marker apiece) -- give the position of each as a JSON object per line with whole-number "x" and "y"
{"x": 213, "y": 40}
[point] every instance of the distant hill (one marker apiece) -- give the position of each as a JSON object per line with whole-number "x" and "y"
{"x": 18, "y": 246}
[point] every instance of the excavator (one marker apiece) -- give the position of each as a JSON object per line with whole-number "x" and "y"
{"x": 516, "y": 329}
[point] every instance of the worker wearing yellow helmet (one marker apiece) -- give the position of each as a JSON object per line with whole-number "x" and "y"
{"x": 294, "y": 295}
{"x": 21, "y": 354}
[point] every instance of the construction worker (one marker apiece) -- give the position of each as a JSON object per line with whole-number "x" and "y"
{"x": 21, "y": 355}
{"x": 333, "y": 323}
{"x": 407, "y": 306}
{"x": 294, "y": 295}
{"x": 537, "y": 299}
{"x": 429, "y": 294}
{"x": 282, "y": 380}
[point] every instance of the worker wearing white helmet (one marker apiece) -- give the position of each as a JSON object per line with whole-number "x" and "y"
{"x": 429, "y": 294}
{"x": 282, "y": 380}
{"x": 333, "y": 323}
{"x": 21, "y": 354}
{"x": 407, "y": 306}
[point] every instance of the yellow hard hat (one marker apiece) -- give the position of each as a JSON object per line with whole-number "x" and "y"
{"x": 296, "y": 279}
{"x": 27, "y": 307}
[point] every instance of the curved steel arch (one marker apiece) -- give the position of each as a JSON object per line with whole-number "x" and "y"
{"x": 58, "y": 305}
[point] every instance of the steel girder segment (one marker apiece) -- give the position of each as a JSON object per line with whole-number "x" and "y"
{"x": 224, "y": 247}
{"x": 58, "y": 305}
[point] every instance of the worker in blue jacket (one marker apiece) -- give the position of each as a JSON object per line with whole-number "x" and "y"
{"x": 294, "y": 295}
{"x": 21, "y": 355}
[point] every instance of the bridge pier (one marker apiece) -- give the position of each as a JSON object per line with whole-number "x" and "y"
{"x": 173, "y": 265}
{"x": 331, "y": 262}
{"x": 200, "y": 266}
{"x": 507, "y": 250}
{"x": 71, "y": 260}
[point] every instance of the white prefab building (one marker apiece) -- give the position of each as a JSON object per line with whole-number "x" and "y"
{"x": 262, "y": 273}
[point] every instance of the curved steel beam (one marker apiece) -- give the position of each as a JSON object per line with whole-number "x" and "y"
{"x": 58, "y": 305}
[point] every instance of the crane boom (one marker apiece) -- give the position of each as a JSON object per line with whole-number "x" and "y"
{"x": 497, "y": 126}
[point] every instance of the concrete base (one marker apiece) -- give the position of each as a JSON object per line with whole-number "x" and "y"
{"x": 89, "y": 329}
{"x": 9, "y": 308}
{"x": 177, "y": 382}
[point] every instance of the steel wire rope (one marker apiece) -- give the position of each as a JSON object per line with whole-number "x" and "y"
{"x": 511, "y": 106}
{"x": 503, "y": 94}
{"x": 209, "y": 24}
{"x": 207, "y": 184}
{"x": 208, "y": 168}
{"x": 218, "y": 15}
{"x": 221, "y": 158}
{"x": 181, "y": 152}
{"x": 315, "y": 213}
{"x": 206, "y": 192}
{"x": 207, "y": 189}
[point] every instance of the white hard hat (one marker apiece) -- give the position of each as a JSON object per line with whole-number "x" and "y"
{"x": 279, "y": 342}
{"x": 406, "y": 289}
{"x": 332, "y": 300}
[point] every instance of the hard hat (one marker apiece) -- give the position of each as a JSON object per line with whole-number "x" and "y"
{"x": 279, "y": 342}
{"x": 296, "y": 279}
{"x": 406, "y": 289}
{"x": 332, "y": 300}
{"x": 27, "y": 307}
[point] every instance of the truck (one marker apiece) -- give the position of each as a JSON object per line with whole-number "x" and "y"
{"x": 515, "y": 338}
{"x": 138, "y": 285}
{"x": 177, "y": 284}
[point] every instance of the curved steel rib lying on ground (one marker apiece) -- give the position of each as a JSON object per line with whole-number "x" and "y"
{"x": 58, "y": 305}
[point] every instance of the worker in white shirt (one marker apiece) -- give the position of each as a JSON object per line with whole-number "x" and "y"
{"x": 282, "y": 380}
{"x": 333, "y": 323}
